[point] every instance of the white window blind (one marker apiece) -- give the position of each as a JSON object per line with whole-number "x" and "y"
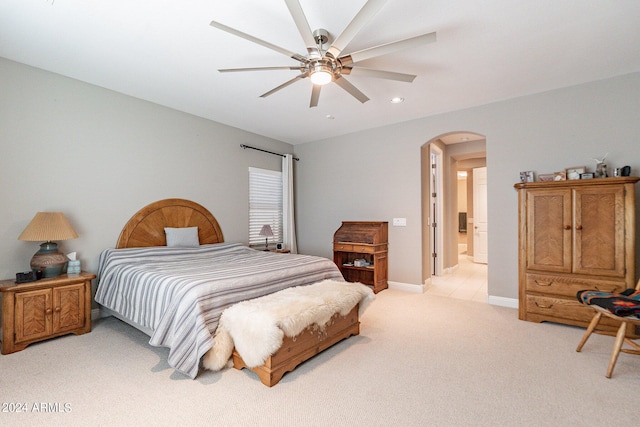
{"x": 265, "y": 205}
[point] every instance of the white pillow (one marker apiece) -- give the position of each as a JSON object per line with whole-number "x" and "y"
{"x": 186, "y": 237}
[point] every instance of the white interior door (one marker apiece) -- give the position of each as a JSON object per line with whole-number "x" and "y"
{"x": 480, "y": 225}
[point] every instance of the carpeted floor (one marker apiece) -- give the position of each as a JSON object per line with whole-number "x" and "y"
{"x": 421, "y": 360}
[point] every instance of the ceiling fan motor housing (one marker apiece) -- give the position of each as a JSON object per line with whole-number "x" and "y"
{"x": 321, "y": 36}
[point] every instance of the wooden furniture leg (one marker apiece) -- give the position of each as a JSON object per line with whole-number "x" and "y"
{"x": 616, "y": 348}
{"x": 590, "y": 329}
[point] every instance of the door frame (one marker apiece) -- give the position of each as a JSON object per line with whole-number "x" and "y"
{"x": 436, "y": 210}
{"x": 480, "y": 249}
{"x": 448, "y": 144}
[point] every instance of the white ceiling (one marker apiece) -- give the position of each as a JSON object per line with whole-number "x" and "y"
{"x": 166, "y": 52}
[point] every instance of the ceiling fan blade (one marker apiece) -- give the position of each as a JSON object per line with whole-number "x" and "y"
{"x": 283, "y": 85}
{"x": 384, "y": 49}
{"x": 233, "y": 70}
{"x": 303, "y": 25}
{"x": 256, "y": 40}
{"x": 353, "y": 91}
{"x": 315, "y": 96}
{"x": 389, "y": 75}
{"x": 365, "y": 14}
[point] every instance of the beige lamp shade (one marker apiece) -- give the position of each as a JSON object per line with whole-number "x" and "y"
{"x": 48, "y": 226}
{"x": 266, "y": 232}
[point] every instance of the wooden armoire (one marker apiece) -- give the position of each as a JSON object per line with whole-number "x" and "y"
{"x": 574, "y": 235}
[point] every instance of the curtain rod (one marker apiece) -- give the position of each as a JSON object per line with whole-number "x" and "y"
{"x": 265, "y": 151}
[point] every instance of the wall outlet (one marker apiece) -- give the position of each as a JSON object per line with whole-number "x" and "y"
{"x": 399, "y": 222}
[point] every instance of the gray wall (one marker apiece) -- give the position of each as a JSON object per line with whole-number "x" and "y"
{"x": 375, "y": 174}
{"x": 99, "y": 156}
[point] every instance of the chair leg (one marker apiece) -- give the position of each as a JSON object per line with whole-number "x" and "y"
{"x": 590, "y": 329}
{"x": 616, "y": 348}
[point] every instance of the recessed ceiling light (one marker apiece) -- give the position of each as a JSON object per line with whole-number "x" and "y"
{"x": 329, "y": 116}
{"x": 397, "y": 100}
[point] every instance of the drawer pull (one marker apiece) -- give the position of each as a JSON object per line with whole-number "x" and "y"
{"x": 543, "y": 306}
{"x": 543, "y": 283}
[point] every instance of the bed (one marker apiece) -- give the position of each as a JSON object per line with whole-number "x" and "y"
{"x": 176, "y": 294}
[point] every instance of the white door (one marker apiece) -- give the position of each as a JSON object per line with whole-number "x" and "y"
{"x": 480, "y": 225}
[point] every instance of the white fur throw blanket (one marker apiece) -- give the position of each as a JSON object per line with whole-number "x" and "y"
{"x": 257, "y": 327}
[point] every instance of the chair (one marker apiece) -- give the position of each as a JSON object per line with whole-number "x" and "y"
{"x": 624, "y": 308}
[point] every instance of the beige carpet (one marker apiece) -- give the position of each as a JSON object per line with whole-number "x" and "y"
{"x": 421, "y": 360}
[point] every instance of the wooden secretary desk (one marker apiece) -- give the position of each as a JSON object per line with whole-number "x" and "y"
{"x": 366, "y": 241}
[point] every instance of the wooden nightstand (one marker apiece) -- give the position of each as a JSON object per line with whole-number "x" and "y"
{"x": 44, "y": 309}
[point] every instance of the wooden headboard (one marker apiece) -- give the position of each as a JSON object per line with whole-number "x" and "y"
{"x": 146, "y": 227}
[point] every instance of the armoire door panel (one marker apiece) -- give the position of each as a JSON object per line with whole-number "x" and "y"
{"x": 599, "y": 231}
{"x": 549, "y": 230}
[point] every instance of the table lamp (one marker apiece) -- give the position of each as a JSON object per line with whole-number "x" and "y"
{"x": 267, "y": 232}
{"x": 48, "y": 226}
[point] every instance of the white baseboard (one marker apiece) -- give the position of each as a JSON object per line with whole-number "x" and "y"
{"x": 502, "y": 301}
{"x": 451, "y": 269}
{"x": 408, "y": 287}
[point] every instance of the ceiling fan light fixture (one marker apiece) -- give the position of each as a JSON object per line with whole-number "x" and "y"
{"x": 321, "y": 72}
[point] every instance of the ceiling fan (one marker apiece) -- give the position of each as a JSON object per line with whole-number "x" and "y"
{"x": 325, "y": 63}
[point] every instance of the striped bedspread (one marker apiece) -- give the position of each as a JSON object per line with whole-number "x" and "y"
{"x": 180, "y": 293}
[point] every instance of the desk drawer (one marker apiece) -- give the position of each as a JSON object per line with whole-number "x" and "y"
{"x": 344, "y": 247}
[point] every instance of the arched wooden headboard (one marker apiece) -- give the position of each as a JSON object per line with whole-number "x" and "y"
{"x": 146, "y": 227}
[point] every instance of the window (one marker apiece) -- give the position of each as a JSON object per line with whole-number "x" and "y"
{"x": 265, "y": 205}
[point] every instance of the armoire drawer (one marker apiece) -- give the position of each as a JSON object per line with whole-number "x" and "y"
{"x": 559, "y": 307}
{"x": 569, "y": 287}
{"x": 570, "y": 311}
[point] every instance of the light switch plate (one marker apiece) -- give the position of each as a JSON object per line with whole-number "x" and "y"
{"x": 400, "y": 222}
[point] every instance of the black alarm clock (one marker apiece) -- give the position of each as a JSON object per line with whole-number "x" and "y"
{"x": 26, "y": 277}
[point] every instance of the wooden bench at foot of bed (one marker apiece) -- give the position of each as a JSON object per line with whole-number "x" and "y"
{"x": 308, "y": 343}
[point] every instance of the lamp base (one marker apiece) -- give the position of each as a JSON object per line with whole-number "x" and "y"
{"x": 48, "y": 260}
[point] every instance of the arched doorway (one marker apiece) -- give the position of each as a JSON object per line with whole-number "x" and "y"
{"x": 442, "y": 158}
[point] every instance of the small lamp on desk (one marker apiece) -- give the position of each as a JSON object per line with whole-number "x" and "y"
{"x": 48, "y": 226}
{"x": 267, "y": 232}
